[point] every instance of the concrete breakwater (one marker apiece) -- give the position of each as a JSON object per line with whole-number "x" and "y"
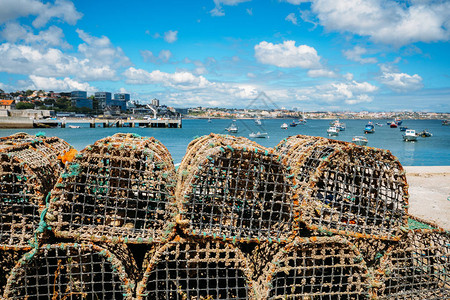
{"x": 310, "y": 218}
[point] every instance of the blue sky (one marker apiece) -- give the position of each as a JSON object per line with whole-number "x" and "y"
{"x": 315, "y": 55}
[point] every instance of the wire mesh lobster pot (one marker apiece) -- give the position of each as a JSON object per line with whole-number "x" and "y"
{"x": 317, "y": 268}
{"x": 351, "y": 190}
{"x": 15, "y": 139}
{"x": 120, "y": 189}
{"x": 196, "y": 269}
{"x": 417, "y": 267}
{"x": 237, "y": 191}
{"x": 8, "y": 259}
{"x": 26, "y": 176}
{"x": 69, "y": 271}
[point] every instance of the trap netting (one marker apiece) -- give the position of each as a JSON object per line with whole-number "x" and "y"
{"x": 69, "y": 271}
{"x": 235, "y": 190}
{"x": 14, "y": 139}
{"x": 317, "y": 268}
{"x": 27, "y": 174}
{"x": 8, "y": 259}
{"x": 351, "y": 190}
{"x": 120, "y": 189}
{"x": 417, "y": 267}
{"x": 196, "y": 269}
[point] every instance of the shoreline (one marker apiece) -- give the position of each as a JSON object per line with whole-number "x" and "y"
{"x": 429, "y": 193}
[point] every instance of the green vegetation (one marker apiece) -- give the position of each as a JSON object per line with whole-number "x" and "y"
{"x": 24, "y": 105}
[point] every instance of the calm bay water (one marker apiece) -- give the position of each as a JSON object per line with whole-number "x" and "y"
{"x": 432, "y": 151}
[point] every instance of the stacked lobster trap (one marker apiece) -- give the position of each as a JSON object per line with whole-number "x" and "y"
{"x": 312, "y": 218}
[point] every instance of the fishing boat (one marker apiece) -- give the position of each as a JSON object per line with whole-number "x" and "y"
{"x": 379, "y": 124}
{"x": 258, "y": 122}
{"x": 260, "y": 135}
{"x": 410, "y": 135}
{"x": 360, "y": 140}
{"x": 284, "y": 126}
{"x": 293, "y": 124}
{"x": 233, "y": 128}
{"x": 209, "y": 120}
{"x": 369, "y": 128}
{"x": 425, "y": 133}
{"x": 393, "y": 125}
{"x": 302, "y": 121}
{"x": 403, "y": 128}
{"x": 333, "y": 131}
{"x": 74, "y": 126}
{"x": 339, "y": 125}
{"x": 445, "y": 123}
{"x": 398, "y": 122}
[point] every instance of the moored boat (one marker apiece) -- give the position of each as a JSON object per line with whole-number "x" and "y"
{"x": 393, "y": 125}
{"x": 258, "y": 122}
{"x": 233, "y": 128}
{"x": 293, "y": 124}
{"x": 261, "y": 135}
{"x": 425, "y": 133}
{"x": 403, "y": 128}
{"x": 333, "y": 131}
{"x": 398, "y": 122}
{"x": 360, "y": 140}
{"x": 284, "y": 126}
{"x": 445, "y": 123}
{"x": 410, "y": 135}
{"x": 74, "y": 126}
{"x": 369, "y": 128}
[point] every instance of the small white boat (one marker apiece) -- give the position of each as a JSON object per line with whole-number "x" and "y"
{"x": 74, "y": 126}
{"x": 410, "y": 135}
{"x": 360, "y": 140}
{"x": 284, "y": 126}
{"x": 261, "y": 135}
{"x": 233, "y": 128}
{"x": 209, "y": 120}
{"x": 258, "y": 122}
{"x": 333, "y": 131}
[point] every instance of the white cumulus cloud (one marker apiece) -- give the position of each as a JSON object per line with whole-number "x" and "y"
{"x": 356, "y": 53}
{"x": 163, "y": 56}
{"x": 171, "y": 36}
{"x": 387, "y": 21}
{"x": 287, "y": 55}
{"x": 54, "y": 84}
{"x": 61, "y": 9}
{"x": 53, "y": 36}
{"x": 292, "y": 18}
{"x": 401, "y": 82}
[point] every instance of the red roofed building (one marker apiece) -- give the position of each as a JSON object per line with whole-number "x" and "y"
{"x": 7, "y": 104}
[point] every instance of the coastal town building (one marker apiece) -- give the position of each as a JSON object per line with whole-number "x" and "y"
{"x": 7, "y": 104}
{"x": 79, "y": 99}
{"x": 103, "y": 99}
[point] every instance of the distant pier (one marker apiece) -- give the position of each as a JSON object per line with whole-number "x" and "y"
{"x": 93, "y": 123}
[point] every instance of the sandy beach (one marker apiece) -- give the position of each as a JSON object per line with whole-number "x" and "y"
{"x": 429, "y": 191}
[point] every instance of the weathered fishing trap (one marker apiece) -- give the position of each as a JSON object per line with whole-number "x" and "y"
{"x": 312, "y": 218}
{"x": 317, "y": 268}
{"x": 418, "y": 266}
{"x": 233, "y": 189}
{"x": 196, "y": 269}
{"x": 28, "y": 171}
{"x": 70, "y": 271}
{"x": 348, "y": 189}
{"x": 120, "y": 189}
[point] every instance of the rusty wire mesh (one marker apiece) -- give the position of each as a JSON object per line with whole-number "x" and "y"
{"x": 200, "y": 269}
{"x": 348, "y": 189}
{"x": 120, "y": 189}
{"x": 70, "y": 271}
{"x": 417, "y": 267}
{"x": 232, "y": 189}
{"x": 317, "y": 268}
{"x": 28, "y": 172}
